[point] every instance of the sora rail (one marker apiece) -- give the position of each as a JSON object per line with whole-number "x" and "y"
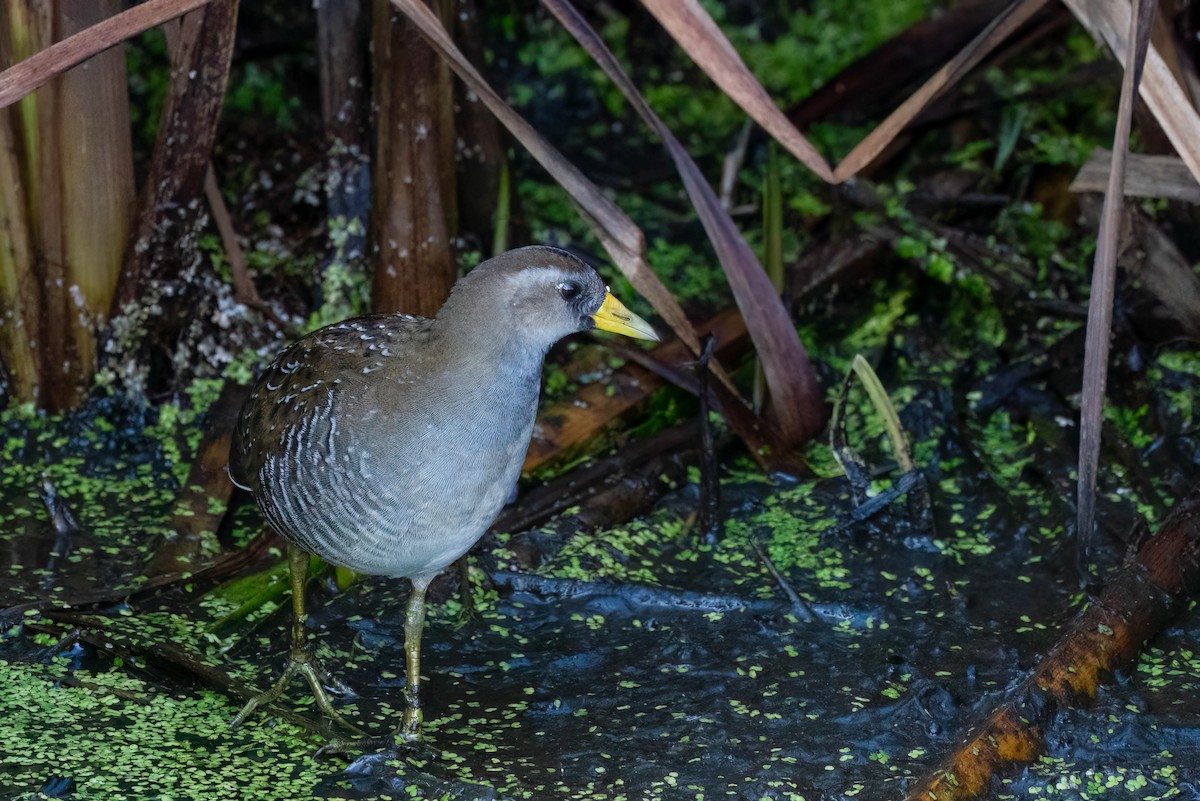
{"x": 387, "y": 444}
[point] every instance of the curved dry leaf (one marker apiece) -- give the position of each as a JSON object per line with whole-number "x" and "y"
{"x": 797, "y": 395}
{"x": 694, "y": 30}
{"x": 22, "y": 78}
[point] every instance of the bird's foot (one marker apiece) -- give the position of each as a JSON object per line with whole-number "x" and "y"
{"x": 407, "y": 736}
{"x": 327, "y": 679}
{"x": 398, "y": 740}
{"x": 318, "y": 679}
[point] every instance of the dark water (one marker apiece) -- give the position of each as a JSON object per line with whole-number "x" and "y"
{"x": 635, "y": 662}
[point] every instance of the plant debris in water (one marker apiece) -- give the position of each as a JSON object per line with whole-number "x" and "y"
{"x": 637, "y": 661}
{"x": 563, "y": 686}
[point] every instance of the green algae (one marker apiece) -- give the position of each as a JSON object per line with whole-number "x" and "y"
{"x": 122, "y": 739}
{"x": 489, "y": 704}
{"x": 120, "y": 466}
{"x": 623, "y": 554}
{"x": 1157, "y": 780}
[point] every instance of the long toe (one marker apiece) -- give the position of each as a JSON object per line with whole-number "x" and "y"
{"x": 318, "y": 679}
{"x": 393, "y": 742}
{"x": 330, "y": 681}
{"x": 265, "y": 698}
{"x": 314, "y": 678}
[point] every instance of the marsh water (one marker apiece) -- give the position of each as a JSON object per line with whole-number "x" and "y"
{"x": 630, "y": 661}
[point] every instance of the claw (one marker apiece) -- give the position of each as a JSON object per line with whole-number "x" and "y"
{"x": 301, "y": 659}
{"x": 316, "y": 676}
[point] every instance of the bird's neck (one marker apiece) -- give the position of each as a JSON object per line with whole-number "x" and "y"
{"x": 491, "y": 358}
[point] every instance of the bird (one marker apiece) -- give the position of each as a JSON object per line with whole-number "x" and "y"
{"x": 388, "y": 443}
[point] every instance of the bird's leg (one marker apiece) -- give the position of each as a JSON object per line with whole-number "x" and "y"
{"x": 300, "y": 660}
{"x": 468, "y": 613}
{"x": 408, "y": 733}
{"x": 414, "y": 623}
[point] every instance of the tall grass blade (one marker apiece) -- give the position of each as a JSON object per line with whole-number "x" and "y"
{"x": 1099, "y": 324}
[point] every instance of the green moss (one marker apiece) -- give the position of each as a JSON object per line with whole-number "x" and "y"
{"x": 259, "y": 88}
{"x": 1129, "y": 423}
{"x": 345, "y": 285}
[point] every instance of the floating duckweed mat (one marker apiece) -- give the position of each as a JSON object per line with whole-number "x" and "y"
{"x": 110, "y": 735}
{"x": 577, "y": 691}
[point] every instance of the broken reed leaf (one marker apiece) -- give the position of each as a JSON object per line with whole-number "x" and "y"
{"x": 1145, "y": 176}
{"x": 1166, "y": 99}
{"x": 874, "y": 143}
{"x": 1104, "y": 273}
{"x": 848, "y": 459}
{"x": 695, "y": 31}
{"x": 22, "y": 78}
{"x": 798, "y": 401}
{"x": 623, "y": 240}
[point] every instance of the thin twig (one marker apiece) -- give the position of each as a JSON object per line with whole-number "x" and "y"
{"x": 710, "y": 483}
{"x": 733, "y": 165}
{"x": 243, "y": 285}
{"x": 799, "y": 605}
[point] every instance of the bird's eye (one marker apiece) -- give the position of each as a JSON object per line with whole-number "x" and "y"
{"x": 568, "y": 290}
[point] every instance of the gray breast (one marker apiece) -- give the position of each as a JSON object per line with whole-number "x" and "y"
{"x": 399, "y": 493}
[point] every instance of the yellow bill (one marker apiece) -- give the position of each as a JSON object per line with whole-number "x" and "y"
{"x": 614, "y": 317}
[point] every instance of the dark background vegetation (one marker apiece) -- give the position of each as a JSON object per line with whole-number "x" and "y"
{"x": 622, "y": 648}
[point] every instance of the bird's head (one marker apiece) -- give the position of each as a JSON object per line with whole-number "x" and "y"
{"x": 540, "y": 295}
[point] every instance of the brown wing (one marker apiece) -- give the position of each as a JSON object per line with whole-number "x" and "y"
{"x": 299, "y": 387}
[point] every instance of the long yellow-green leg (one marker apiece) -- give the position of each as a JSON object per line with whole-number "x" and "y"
{"x": 408, "y": 733}
{"x": 414, "y": 623}
{"x": 300, "y": 660}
